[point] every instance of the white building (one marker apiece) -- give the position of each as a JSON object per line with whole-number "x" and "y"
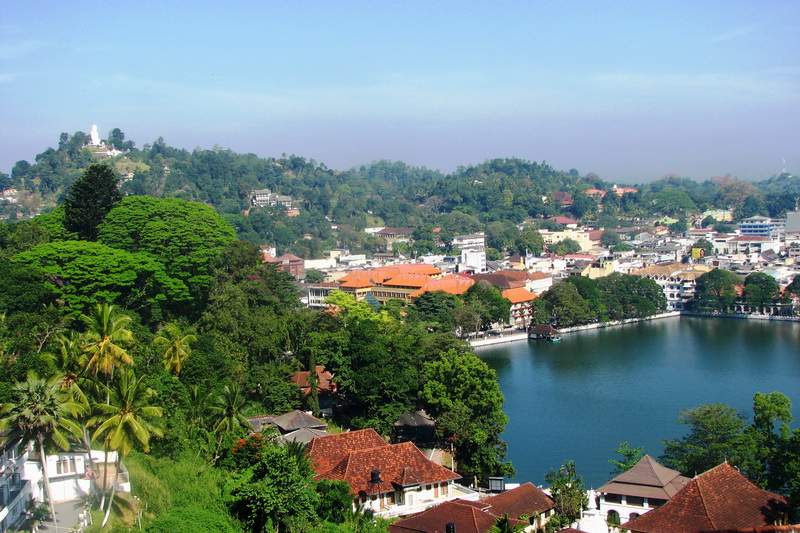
{"x": 644, "y": 487}
{"x": 15, "y": 488}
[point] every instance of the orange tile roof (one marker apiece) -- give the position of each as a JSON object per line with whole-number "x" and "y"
{"x": 720, "y": 498}
{"x": 519, "y": 295}
{"x": 450, "y": 284}
{"x": 408, "y": 268}
{"x": 407, "y": 280}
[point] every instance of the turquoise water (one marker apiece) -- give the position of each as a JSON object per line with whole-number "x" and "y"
{"x": 578, "y": 399}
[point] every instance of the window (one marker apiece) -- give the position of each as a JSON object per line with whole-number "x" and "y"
{"x": 612, "y": 498}
{"x": 636, "y": 501}
{"x": 654, "y": 502}
{"x": 65, "y": 466}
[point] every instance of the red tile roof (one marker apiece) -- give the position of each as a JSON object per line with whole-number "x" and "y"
{"x": 349, "y": 457}
{"x": 720, "y": 498}
{"x": 324, "y": 379}
{"x": 326, "y": 452}
{"x": 564, "y": 221}
{"x": 501, "y": 281}
{"x": 466, "y": 516}
{"x": 407, "y": 280}
{"x": 523, "y": 500}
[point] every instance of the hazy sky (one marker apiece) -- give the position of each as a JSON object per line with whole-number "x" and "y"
{"x": 629, "y": 90}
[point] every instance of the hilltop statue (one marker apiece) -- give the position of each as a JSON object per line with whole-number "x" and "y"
{"x": 94, "y": 136}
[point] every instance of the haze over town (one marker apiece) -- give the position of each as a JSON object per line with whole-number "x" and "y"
{"x": 628, "y": 90}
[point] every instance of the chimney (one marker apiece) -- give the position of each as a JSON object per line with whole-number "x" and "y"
{"x": 450, "y": 527}
{"x": 375, "y": 476}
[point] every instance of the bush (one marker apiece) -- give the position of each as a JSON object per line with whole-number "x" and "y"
{"x": 194, "y": 519}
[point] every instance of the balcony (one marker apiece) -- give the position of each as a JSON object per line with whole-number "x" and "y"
{"x": 11, "y": 494}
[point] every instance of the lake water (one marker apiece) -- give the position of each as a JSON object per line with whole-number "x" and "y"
{"x": 580, "y": 398}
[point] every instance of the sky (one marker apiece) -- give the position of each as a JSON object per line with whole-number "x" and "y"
{"x": 628, "y": 90}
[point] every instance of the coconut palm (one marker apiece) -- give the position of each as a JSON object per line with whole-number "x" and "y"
{"x": 41, "y": 413}
{"x": 106, "y": 341}
{"x": 175, "y": 345}
{"x": 125, "y": 420}
{"x": 226, "y": 412}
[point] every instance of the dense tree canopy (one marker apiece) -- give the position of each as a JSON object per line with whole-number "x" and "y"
{"x": 89, "y": 200}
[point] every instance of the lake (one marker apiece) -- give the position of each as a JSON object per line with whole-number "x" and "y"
{"x": 580, "y": 398}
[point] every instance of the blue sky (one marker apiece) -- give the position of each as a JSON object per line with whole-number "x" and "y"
{"x": 629, "y": 90}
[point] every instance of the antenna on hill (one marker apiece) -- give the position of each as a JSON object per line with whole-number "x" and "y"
{"x": 783, "y": 170}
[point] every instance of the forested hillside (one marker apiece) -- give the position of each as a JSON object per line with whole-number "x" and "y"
{"x": 492, "y": 196}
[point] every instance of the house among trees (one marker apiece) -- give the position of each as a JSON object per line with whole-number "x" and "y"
{"x": 718, "y": 499}
{"x": 390, "y": 479}
{"x": 646, "y": 486}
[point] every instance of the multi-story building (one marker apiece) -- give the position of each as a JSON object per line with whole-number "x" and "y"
{"x": 764, "y": 226}
{"x": 15, "y": 488}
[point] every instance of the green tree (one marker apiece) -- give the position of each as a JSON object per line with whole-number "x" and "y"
{"x": 489, "y": 301}
{"x": 461, "y": 393}
{"x": 83, "y": 273}
{"x": 275, "y": 493}
{"x": 529, "y": 241}
{"x": 566, "y": 306}
{"x": 716, "y": 291}
{"x": 716, "y": 434}
{"x": 106, "y": 341}
{"x": 89, "y": 200}
{"x": 314, "y": 276}
{"x": 506, "y": 525}
{"x": 176, "y": 346}
{"x": 673, "y": 202}
{"x": 630, "y": 456}
{"x": 610, "y": 238}
{"x": 566, "y": 247}
{"x": 124, "y": 420}
{"x": 568, "y": 493}
{"x": 435, "y": 307}
{"x": 761, "y": 290}
{"x": 227, "y": 418}
{"x": 185, "y": 237}
{"x": 43, "y": 414}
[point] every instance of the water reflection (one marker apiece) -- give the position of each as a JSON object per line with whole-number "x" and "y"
{"x": 580, "y": 398}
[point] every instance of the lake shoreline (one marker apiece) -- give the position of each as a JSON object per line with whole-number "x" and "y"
{"x": 503, "y": 338}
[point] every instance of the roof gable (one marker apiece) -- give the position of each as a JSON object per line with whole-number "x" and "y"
{"x": 525, "y": 499}
{"x": 720, "y": 498}
{"x": 647, "y": 478}
{"x": 467, "y": 519}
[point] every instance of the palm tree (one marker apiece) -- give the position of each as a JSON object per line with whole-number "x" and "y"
{"x": 226, "y": 413}
{"x": 106, "y": 341}
{"x": 504, "y": 525}
{"x": 42, "y": 413}
{"x": 176, "y": 346}
{"x": 125, "y": 420}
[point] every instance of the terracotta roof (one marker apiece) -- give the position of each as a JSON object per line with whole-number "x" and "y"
{"x": 324, "y": 379}
{"x": 647, "y": 479}
{"x": 720, "y": 498}
{"x": 466, "y": 516}
{"x": 766, "y": 529}
{"x": 289, "y": 257}
{"x": 519, "y": 295}
{"x": 564, "y": 221}
{"x": 407, "y": 280}
{"x": 400, "y": 465}
{"x": 408, "y": 268}
{"x": 326, "y": 452}
{"x": 595, "y": 234}
{"x": 449, "y": 284}
{"x": 523, "y": 500}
